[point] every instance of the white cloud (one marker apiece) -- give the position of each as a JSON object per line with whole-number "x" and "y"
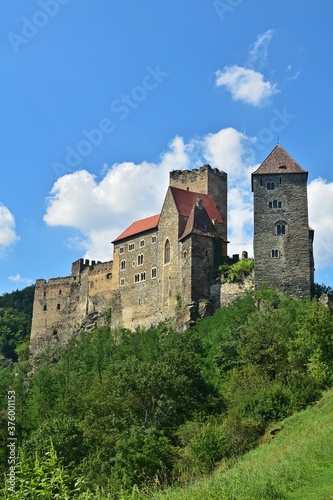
{"x": 102, "y": 210}
{"x": 7, "y": 227}
{"x": 321, "y": 220}
{"x": 259, "y": 51}
{"x": 246, "y": 85}
{"x": 17, "y": 278}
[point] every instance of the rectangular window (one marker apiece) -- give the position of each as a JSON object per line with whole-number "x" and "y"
{"x": 140, "y": 259}
{"x": 123, "y": 265}
{"x": 143, "y": 276}
{"x": 121, "y": 250}
{"x": 122, "y": 282}
{"x": 131, "y": 246}
{"x": 279, "y": 204}
{"x": 154, "y": 272}
{"x": 136, "y": 278}
{"x": 142, "y": 243}
{"x": 270, "y": 204}
{"x": 274, "y": 203}
{"x": 154, "y": 238}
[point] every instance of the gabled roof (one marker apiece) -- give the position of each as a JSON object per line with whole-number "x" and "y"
{"x": 139, "y": 226}
{"x": 198, "y": 223}
{"x": 186, "y": 199}
{"x": 279, "y": 162}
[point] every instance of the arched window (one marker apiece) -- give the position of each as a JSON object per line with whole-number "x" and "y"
{"x": 275, "y": 254}
{"x": 281, "y": 228}
{"x": 167, "y": 252}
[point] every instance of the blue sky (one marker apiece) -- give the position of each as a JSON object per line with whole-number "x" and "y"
{"x": 100, "y": 100}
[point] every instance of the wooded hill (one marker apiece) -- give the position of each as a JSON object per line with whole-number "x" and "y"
{"x": 119, "y": 414}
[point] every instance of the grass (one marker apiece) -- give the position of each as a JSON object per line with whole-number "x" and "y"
{"x": 296, "y": 464}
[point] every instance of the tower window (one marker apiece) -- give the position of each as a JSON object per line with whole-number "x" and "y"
{"x": 154, "y": 272}
{"x": 260, "y": 181}
{"x": 58, "y": 306}
{"x": 280, "y": 229}
{"x": 143, "y": 276}
{"x": 44, "y": 308}
{"x": 167, "y": 252}
{"x": 142, "y": 243}
{"x": 154, "y": 238}
{"x": 275, "y": 254}
{"x": 270, "y": 186}
{"x": 140, "y": 259}
{"x": 123, "y": 265}
{"x": 122, "y": 282}
{"x": 136, "y": 278}
{"x": 131, "y": 246}
{"x": 121, "y": 250}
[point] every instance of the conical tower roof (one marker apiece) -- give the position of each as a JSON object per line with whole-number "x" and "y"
{"x": 279, "y": 162}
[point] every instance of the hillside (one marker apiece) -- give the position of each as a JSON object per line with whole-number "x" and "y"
{"x": 294, "y": 463}
{"x": 120, "y": 414}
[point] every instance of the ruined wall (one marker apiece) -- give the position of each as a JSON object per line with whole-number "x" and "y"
{"x": 64, "y": 305}
{"x": 281, "y": 226}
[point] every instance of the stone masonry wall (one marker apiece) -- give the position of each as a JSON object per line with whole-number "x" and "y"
{"x": 289, "y": 269}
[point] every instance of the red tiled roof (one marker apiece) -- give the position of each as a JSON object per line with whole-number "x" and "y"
{"x": 186, "y": 199}
{"x": 139, "y": 226}
{"x": 279, "y": 162}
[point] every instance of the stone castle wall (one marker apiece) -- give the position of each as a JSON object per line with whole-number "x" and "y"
{"x": 289, "y": 269}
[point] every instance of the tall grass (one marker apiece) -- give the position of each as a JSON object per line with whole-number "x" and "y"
{"x": 295, "y": 464}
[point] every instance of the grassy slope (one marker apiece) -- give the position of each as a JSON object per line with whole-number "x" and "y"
{"x": 296, "y": 464}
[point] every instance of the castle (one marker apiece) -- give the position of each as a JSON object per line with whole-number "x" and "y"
{"x": 162, "y": 265}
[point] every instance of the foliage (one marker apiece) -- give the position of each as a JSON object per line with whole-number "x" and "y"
{"x": 235, "y": 273}
{"x": 132, "y": 412}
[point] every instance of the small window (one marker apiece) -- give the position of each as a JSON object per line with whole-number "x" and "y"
{"x": 279, "y": 204}
{"x": 91, "y": 284}
{"x": 154, "y": 238}
{"x": 60, "y": 292}
{"x": 123, "y": 265}
{"x": 167, "y": 252}
{"x": 142, "y": 243}
{"x": 270, "y": 186}
{"x": 136, "y": 278}
{"x": 139, "y": 302}
{"x": 109, "y": 276}
{"x": 143, "y": 276}
{"x": 44, "y": 293}
{"x": 44, "y": 308}
{"x": 275, "y": 254}
{"x": 270, "y": 204}
{"x": 280, "y": 180}
{"x": 58, "y": 307}
{"x": 133, "y": 263}
{"x": 131, "y": 246}
{"x": 121, "y": 250}
{"x": 140, "y": 259}
{"x": 184, "y": 254}
{"x": 280, "y": 229}
{"x": 283, "y": 167}
{"x": 154, "y": 272}
{"x": 260, "y": 181}
{"x": 274, "y": 203}
{"x": 122, "y": 282}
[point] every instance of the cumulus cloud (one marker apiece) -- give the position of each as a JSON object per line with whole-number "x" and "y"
{"x": 246, "y": 85}
{"x": 101, "y": 210}
{"x": 7, "y": 227}
{"x": 320, "y": 194}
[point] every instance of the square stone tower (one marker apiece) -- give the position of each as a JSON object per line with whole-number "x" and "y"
{"x": 282, "y": 242}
